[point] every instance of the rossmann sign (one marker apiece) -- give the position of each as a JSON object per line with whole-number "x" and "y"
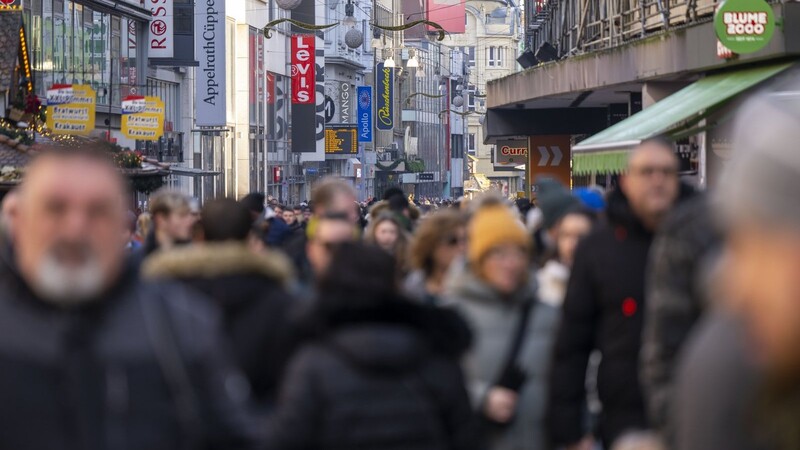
{"x": 511, "y": 153}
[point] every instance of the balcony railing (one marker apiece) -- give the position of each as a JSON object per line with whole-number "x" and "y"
{"x": 574, "y": 27}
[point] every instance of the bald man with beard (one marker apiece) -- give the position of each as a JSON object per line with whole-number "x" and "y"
{"x": 91, "y": 358}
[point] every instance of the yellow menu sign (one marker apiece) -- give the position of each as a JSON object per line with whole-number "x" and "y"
{"x": 143, "y": 118}
{"x": 71, "y": 109}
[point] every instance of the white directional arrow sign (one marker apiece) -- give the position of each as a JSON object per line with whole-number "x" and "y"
{"x": 557, "y": 155}
{"x": 545, "y": 156}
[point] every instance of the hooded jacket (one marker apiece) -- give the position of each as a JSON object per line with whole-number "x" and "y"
{"x": 494, "y": 321}
{"x": 380, "y": 378}
{"x": 603, "y": 310}
{"x": 102, "y": 375}
{"x": 251, "y": 292}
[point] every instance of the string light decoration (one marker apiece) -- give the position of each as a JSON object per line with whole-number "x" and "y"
{"x": 26, "y": 63}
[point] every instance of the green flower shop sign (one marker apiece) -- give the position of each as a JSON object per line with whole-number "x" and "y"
{"x": 744, "y": 26}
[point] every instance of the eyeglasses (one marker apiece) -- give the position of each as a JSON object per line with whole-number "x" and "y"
{"x": 649, "y": 171}
{"x": 454, "y": 241}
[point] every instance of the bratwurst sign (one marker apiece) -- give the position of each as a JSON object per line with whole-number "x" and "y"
{"x": 744, "y": 26}
{"x": 303, "y": 69}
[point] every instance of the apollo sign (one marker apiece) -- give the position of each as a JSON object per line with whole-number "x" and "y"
{"x": 303, "y": 69}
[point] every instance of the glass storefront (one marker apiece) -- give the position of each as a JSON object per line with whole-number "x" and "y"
{"x": 74, "y": 44}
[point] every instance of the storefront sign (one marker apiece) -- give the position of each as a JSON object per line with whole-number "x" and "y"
{"x": 341, "y": 140}
{"x": 344, "y": 103}
{"x": 143, "y": 118}
{"x": 549, "y": 156}
{"x": 384, "y": 85}
{"x": 270, "y": 88}
{"x": 303, "y": 79}
{"x": 71, "y": 109}
{"x": 447, "y": 13}
{"x": 10, "y": 4}
{"x": 162, "y": 41}
{"x": 364, "y": 113}
{"x": 210, "y": 106}
{"x": 744, "y": 26}
{"x": 511, "y": 153}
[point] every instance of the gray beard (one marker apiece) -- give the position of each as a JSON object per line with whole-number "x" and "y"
{"x": 68, "y": 286}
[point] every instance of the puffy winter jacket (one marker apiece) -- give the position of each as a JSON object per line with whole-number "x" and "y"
{"x": 251, "y": 291}
{"x": 379, "y": 379}
{"x": 603, "y": 310}
{"x": 681, "y": 260}
{"x": 143, "y": 367}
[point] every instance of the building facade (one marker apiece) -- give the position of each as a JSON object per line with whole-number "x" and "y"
{"x": 491, "y": 41}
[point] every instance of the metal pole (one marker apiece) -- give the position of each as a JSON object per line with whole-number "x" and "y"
{"x": 110, "y": 77}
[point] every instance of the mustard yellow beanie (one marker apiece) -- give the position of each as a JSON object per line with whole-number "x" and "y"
{"x": 491, "y": 227}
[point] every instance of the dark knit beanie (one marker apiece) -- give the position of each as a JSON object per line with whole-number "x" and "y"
{"x": 555, "y": 201}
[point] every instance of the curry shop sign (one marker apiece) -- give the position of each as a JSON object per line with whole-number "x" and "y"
{"x": 511, "y": 153}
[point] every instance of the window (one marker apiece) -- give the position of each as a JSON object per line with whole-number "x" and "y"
{"x": 471, "y": 144}
{"x": 469, "y": 52}
{"x": 471, "y": 97}
{"x": 494, "y": 56}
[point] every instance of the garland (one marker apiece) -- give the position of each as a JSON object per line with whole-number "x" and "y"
{"x": 413, "y": 24}
{"x": 306, "y": 26}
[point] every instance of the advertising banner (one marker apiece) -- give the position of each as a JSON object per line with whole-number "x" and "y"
{"x": 270, "y": 88}
{"x": 303, "y": 68}
{"x": 364, "y": 113}
{"x": 210, "y": 105}
{"x": 450, "y": 14}
{"x": 510, "y": 153}
{"x": 550, "y": 156}
{"x": 162, "y": 39}
{"x": 142, "y": 118}
{"x": 384, "y": 84}
{"x": 71, "y": 109}
{"x": 345, "y": 102}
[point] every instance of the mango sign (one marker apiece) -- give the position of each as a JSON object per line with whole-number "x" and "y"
{"x": 71, "y": 108}
{"x": 744, "y": 26}
{"x": 143, "y": 118}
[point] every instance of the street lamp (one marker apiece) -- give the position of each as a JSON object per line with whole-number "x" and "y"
{"x": 349, "y": 21}
{"x": 420, "y": 72}
{"x": 377, "y": 43}
{"x": 389, "y": 62}
{"x": 413, "y": 62}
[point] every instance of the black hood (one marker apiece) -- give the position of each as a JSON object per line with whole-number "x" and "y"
{"x": 393, "y": 335}
{"x": 620, "y": 214}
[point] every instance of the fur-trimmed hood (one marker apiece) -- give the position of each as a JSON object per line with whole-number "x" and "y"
{"x": 214, "y": 260}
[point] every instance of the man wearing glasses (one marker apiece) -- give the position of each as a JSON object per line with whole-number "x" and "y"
{"x": 605, "y": 302}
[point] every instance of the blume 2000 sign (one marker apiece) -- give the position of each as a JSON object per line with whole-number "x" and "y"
{"x": 303, "y": 66}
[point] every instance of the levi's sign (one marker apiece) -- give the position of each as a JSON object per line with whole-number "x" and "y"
{"x": 303, "y": 70}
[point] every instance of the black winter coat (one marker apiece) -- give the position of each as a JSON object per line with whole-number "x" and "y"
{"x": 250, "y": 289}
{"x": 381, "y": 379}
{"x": 88, "y": 377}
{"x": 603, "y": 310}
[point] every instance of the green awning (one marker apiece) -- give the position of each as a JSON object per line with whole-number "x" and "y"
{"x": 607, "y": 151}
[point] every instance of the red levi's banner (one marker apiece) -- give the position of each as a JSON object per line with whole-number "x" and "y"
{"x": 303, "y": 66}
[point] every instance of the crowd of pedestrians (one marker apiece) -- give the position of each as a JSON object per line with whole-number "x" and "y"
{"x": 647, "y": 317}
